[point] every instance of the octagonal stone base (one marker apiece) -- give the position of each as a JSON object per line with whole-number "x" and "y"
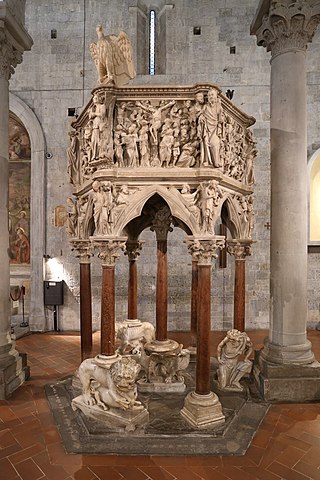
{"x": 203, "y": 411}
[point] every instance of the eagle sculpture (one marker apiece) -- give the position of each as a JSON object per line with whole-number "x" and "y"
{"x": 113, "y": 58}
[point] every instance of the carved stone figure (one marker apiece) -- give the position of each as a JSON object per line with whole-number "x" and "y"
{"x": 98, "y": 115}
{"x": 231, "y": 368}
{"x": 113, "y": 58}
{"x": 133, "y": 334}
{"x": 163, "y": 367}
{"x": 72, "y": 217}
{"x": 111, "y": 386}
{"x": 155, "y": 117}
{"x": 209, "y": 120}
{"x": 209, "y": 194}
{"x": 144, "y": 147}
{"x": 73, "y": 168}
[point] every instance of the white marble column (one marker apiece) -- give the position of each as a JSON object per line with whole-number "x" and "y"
{"x": 285, "y": 29}
{"x": 12, "y": 46}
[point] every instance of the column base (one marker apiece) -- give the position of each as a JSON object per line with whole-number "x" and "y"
{"x": 13, "y": 373}
{"x": 290, "y": 354}
{"x": 286, "y": 382}
{"x": 203, "y": 411}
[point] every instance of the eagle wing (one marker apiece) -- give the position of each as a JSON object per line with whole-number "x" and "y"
{"x": 122, "y": 59}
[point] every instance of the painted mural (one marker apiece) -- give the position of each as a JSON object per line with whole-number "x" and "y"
{"x": 19, "y": 192}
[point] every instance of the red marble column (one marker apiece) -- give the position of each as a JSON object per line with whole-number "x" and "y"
{"x": 133, "y": 291}
{"x": 109, "y": 249}
{"x": 85, "y": 310}
{"x": 133, "y": 248}
{"x": 161, "y": 226}
{"x": 239, "y": 294}
{"x": 194, "y": 303}
{"x": 161, "y": 291}
{"x": 108, "y": 310}
{"x": 240, "y": 249}
{"x": 204, "y": 328}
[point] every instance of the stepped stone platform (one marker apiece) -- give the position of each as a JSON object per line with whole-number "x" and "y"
{"x": 166, "y": 433}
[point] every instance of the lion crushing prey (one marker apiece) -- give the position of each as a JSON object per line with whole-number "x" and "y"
{"x": 110, "y": 386}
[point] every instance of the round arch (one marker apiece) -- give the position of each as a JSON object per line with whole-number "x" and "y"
{"x": 314, "y": 198}
{"x": 17, "y": 106}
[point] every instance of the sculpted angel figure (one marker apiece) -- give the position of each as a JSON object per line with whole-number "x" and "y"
{"x": 113, "y": 58}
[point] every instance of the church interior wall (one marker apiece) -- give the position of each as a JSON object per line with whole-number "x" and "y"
{"x": 58, "y": 73}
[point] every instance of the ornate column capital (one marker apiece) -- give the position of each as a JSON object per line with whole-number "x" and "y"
{"x": 240, "y": 249}
{"x": 109, "y": 248}
{"x": 133, "y": 248}
{"x": 10, "y": 56}
{"x": 84, "y": 249}
{"x": 162, "y": 223}
{"x": 204, "y": 249}
{"x": 287, "y": 26}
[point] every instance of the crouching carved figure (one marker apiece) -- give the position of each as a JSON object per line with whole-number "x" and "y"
{"x": 132, "y": 334}
{"x": 109, "y": 386}
{"x": 231, "y": 368}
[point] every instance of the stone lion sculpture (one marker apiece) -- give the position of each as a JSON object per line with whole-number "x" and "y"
{"x": 110, "y": 386}
{"x": 133, "y": 334}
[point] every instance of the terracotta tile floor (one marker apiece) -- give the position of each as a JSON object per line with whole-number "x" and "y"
{"x": 286, "y": 446}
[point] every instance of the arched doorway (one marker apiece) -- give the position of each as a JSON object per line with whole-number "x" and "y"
{"x": 27, "y": 118}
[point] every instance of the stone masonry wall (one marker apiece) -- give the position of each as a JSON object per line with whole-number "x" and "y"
{"x": 58, "y": 74}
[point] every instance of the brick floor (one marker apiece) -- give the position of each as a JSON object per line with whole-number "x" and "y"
{"x": 286, "y": 446}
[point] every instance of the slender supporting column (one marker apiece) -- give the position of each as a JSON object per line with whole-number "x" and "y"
{"x": 285, "y": 30}
{"x": 161, "y": 226}
{"x": 194, "y": 303}
{"x": 202, "y": 407}
{"x": 162, "y": 291}
{"x": 84, "y": 250}
{"x": 240, "y": 249}
{"x": 108, "y": 252}
{"x": 204, "y": 329}
{"x": 133, "y": 250}
{"x": 12, "y": 45}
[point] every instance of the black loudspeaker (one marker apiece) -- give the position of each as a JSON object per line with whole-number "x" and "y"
{"x": 53, "y": 292}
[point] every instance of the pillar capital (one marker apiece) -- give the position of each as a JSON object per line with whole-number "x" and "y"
{"x": 109, "y": 249}
{"x": 239, "y": 249}
{"x": 204, "y": 249}
{"x": 84, "y": 249}
{"x": 133, "y": 248}
{"x": 162, "y": 223}
{"x": 285, "y": 26}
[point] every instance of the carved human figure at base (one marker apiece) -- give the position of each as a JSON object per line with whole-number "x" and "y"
{"x": 231, "y": 367}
